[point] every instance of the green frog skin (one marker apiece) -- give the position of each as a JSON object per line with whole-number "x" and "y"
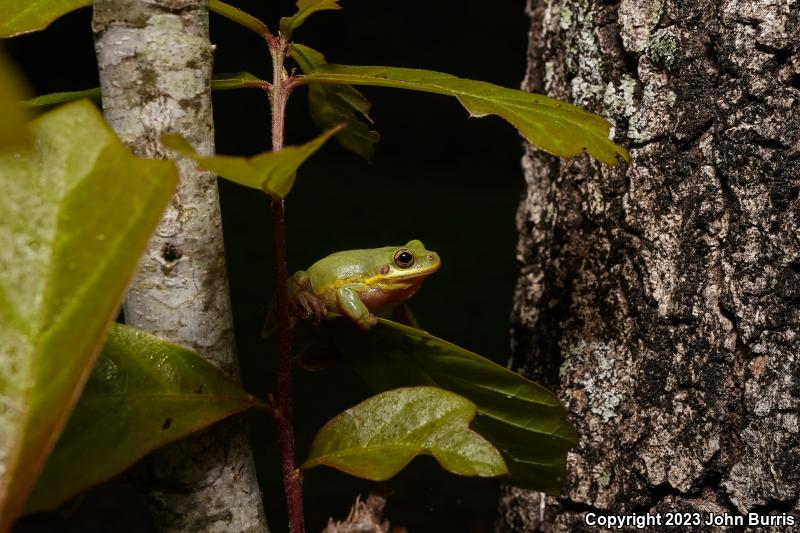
{"x": 361, "y": 284}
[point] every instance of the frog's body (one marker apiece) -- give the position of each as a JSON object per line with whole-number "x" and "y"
{"x": 361, "y": 284}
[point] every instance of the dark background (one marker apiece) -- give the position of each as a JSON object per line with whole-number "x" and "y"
{"x": 437, "y": 176}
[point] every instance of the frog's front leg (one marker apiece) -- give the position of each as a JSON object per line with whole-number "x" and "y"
{"x": 351, "y": 305}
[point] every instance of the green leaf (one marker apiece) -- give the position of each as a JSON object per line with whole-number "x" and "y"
{"x": 237, "y": 80}
{"x": 143, "y": 393}
{"x": 557, "y": 127}
{"x": 24, "y": 16}
{"x": 380, "y": 436}
{"x": 523, "y": 419}
{"x": 304, "y": 9}
{"x": 64, "y": 97}
{"x": 219, "y": 82}
{"x": 76, "y": 212}
{"x": 14, "y": 115}
{"x": 238, "y": 16}
{"x": 334, "y": 104}
{"x": 272, "y": 172}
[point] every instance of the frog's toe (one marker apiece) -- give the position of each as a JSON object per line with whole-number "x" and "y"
{"x": 310, "y": 307}
{"x": 368, "y": 322}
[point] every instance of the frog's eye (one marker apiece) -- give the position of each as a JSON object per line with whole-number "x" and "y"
{"x": 403, "y": 258}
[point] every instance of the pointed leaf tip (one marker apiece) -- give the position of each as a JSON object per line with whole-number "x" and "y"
{"x": 272, "y": 172}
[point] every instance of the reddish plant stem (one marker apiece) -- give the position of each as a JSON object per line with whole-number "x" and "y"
{"x": 292, "y": 480}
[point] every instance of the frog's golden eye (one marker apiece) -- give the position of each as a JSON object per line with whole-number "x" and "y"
{"x": 403, "y": 258}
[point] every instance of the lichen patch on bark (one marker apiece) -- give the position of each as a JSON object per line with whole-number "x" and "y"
{"x": 661, "y": 298}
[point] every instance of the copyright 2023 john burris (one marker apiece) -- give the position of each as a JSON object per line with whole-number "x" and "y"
{"x": 683, "y": 519}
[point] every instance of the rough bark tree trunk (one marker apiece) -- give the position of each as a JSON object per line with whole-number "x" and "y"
{"x": 155, "y": 67}
{"x": 662, "y": 299}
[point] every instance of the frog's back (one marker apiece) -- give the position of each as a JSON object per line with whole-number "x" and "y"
{"x": 343, "y": 268}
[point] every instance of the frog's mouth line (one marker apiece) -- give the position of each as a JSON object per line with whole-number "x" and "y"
{"x": 415, "y": 275}
{"x": 405, "y": 277}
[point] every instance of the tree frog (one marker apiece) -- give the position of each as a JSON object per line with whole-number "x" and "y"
{"x": 361, "y": 284}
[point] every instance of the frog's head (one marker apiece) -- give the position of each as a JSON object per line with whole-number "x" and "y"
{"x": 406, "y": 267}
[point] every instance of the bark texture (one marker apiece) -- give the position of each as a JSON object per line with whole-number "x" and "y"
{"x": 155, "y": 66}
{"x": 662, "y": 299}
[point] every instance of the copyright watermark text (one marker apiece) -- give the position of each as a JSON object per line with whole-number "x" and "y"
{"x": 676, "y": 519}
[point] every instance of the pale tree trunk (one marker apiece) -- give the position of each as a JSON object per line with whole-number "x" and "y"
{"x": 662, "y": 299}
{"x": 155, "y": 66}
